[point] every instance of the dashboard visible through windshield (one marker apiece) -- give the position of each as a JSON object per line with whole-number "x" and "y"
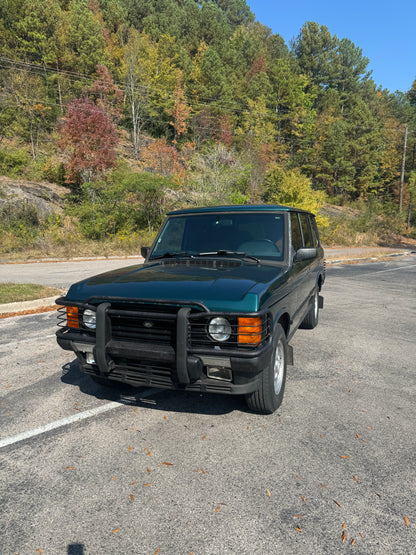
{"x": 256, "y": 234}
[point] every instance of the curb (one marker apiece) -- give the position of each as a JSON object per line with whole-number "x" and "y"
{"x": 369, "y": 258}
{"x": 28, "y": 307}
{"x": 75, "y": 259}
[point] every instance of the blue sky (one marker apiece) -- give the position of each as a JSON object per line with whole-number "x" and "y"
{"x": 384, "y": 30}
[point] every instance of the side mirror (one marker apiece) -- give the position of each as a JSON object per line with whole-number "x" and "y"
{"x": 144, "y": 251}
{"x": 306, "y": 253}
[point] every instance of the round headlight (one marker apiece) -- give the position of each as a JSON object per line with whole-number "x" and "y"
{"x": 89, "y": 319}
{"x": 219, "y": 329}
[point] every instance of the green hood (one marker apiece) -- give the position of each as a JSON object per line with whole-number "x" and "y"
{"x": 219, "y": 284}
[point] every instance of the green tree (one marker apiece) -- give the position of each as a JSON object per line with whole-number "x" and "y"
{"x": 412, "y": 94}
{"x": 317, "y": 53}
{"x": 291, "y": 188}
{"x": 84, "y": 36}
{"x": 213, "y": 84}
{"x": 293, "y": 101}
{"x": 256, "y": 136}
{"x": 353, "y": 69}
{"x": 412, "y": 197}
{"x": 149, "y": 193}
{"x": 348, "y": 151}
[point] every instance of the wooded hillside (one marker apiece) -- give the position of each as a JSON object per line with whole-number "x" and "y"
{"x": 140, "y": 106}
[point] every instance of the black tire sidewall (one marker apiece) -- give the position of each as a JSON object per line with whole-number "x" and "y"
{"x": 268, "y": 376}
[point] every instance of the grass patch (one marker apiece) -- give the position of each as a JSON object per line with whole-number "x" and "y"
{"x": 17, "y": 292}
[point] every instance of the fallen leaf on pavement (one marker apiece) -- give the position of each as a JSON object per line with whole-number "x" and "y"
{"x": 406, "y": 520}
{"x": 131, "y": 497}
{"x": 268, "y": 493}
{"x": 116, "y": 530}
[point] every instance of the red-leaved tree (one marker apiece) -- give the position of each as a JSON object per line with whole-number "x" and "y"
{"x": 89, "y": 138}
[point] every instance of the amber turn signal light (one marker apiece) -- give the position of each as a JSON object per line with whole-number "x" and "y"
{"x": 72, "y": 320}
{"x": 249, "y": 331}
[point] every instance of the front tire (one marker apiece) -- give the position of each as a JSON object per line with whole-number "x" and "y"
{"x": 269, "y": 396}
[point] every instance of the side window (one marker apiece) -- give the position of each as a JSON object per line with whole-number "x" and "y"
{"x": 296, "y": 233}
{"x": 307, "y": 232}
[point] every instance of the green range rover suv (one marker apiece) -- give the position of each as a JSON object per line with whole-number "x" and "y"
{"x": 212, "y": 309}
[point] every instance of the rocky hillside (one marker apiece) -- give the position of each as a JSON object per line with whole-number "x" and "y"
{"x": 46, "y": 197}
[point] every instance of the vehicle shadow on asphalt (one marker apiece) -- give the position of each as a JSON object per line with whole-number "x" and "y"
{"x": 163, "y": 400}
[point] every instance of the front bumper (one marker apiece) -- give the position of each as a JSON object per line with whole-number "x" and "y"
{"x": 170, "y": 366}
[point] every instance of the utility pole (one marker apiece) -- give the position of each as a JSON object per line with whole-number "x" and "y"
{"x": 403, "y": 165}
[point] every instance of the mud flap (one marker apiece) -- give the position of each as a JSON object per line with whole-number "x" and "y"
{"x": 289, "y": 360}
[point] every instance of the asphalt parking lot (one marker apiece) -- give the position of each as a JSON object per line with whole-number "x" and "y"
{"x": 87, "y": 470}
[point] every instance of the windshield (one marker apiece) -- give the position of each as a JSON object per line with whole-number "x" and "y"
{"x": 253, "y": 234}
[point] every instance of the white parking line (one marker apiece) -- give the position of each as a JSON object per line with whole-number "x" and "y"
{"x": 391, "y": 269}
{"x": 71, "y": 419}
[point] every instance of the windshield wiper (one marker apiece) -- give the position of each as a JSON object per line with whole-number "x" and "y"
{"x": 172, "y": 255}
{"x": 229, "y": 253}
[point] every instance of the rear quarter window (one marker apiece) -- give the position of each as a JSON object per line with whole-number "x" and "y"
{"x": 306, "y": 230}
{"x": 296, "y": 233}
{"x": 315, "y": 233}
